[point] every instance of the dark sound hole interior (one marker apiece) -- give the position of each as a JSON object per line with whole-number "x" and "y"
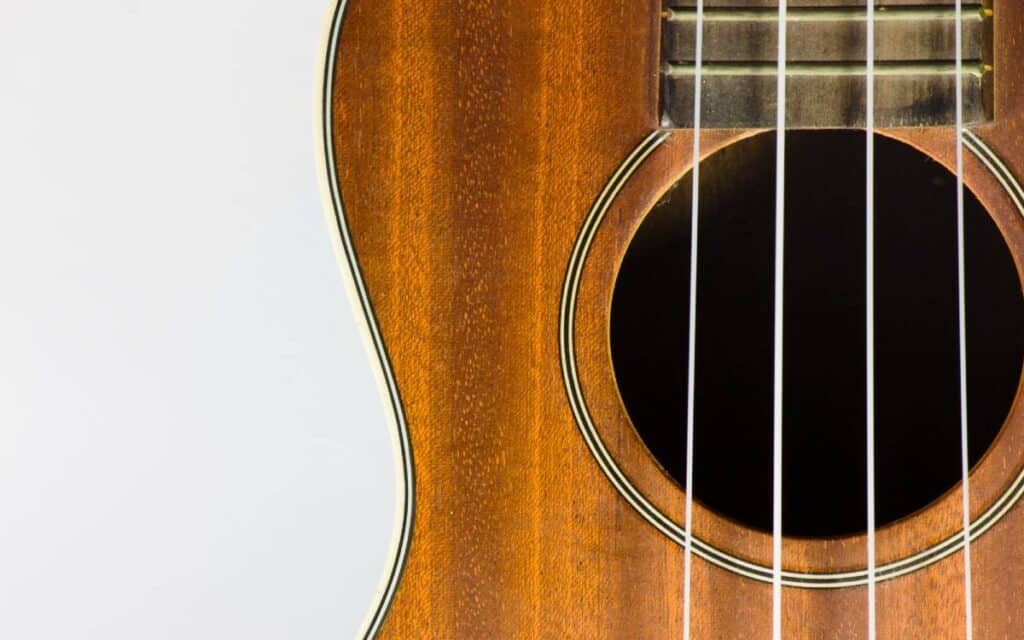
{"x": 917, "y": 406}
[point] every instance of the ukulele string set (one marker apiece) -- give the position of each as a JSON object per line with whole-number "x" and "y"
{"x": 869, "y": 209}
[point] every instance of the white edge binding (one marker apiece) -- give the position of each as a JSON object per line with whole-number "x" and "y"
{"x": 334, "y": 209}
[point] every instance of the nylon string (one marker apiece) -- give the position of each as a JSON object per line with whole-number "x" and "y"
{"x": 962, "y": 322}
{"x": 780, "y": 181}
{"x": 869, "y": 127}
{"x": 691, "y": 365}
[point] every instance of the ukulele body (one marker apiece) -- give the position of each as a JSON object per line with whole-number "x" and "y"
{"x": 466, "y": 148}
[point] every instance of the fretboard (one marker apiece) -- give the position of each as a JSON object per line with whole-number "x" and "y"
{"x": 914, "y": 54}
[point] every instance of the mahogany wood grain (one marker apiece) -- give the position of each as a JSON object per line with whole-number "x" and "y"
{"x": 472, "y": 137}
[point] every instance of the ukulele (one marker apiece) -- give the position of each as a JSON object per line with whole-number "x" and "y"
{"x": 696, "y": 319}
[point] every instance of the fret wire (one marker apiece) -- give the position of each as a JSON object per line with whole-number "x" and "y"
{"x": 882, "y": 69}
{"x": 825, "y": 14}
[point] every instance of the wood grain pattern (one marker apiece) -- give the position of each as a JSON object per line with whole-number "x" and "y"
{"x": 471, "y": 139}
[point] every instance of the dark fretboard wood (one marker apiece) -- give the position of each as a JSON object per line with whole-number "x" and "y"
{"x": 915, "y": 58}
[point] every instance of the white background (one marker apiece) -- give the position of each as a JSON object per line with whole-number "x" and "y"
{"x": 192, "y": 444}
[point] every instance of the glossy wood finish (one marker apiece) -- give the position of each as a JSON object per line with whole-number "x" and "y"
{"x": 471, "y": 139}
{"x": 904, "y": 538}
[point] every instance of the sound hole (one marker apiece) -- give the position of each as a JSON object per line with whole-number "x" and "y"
{"x": 917, "y": 410}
